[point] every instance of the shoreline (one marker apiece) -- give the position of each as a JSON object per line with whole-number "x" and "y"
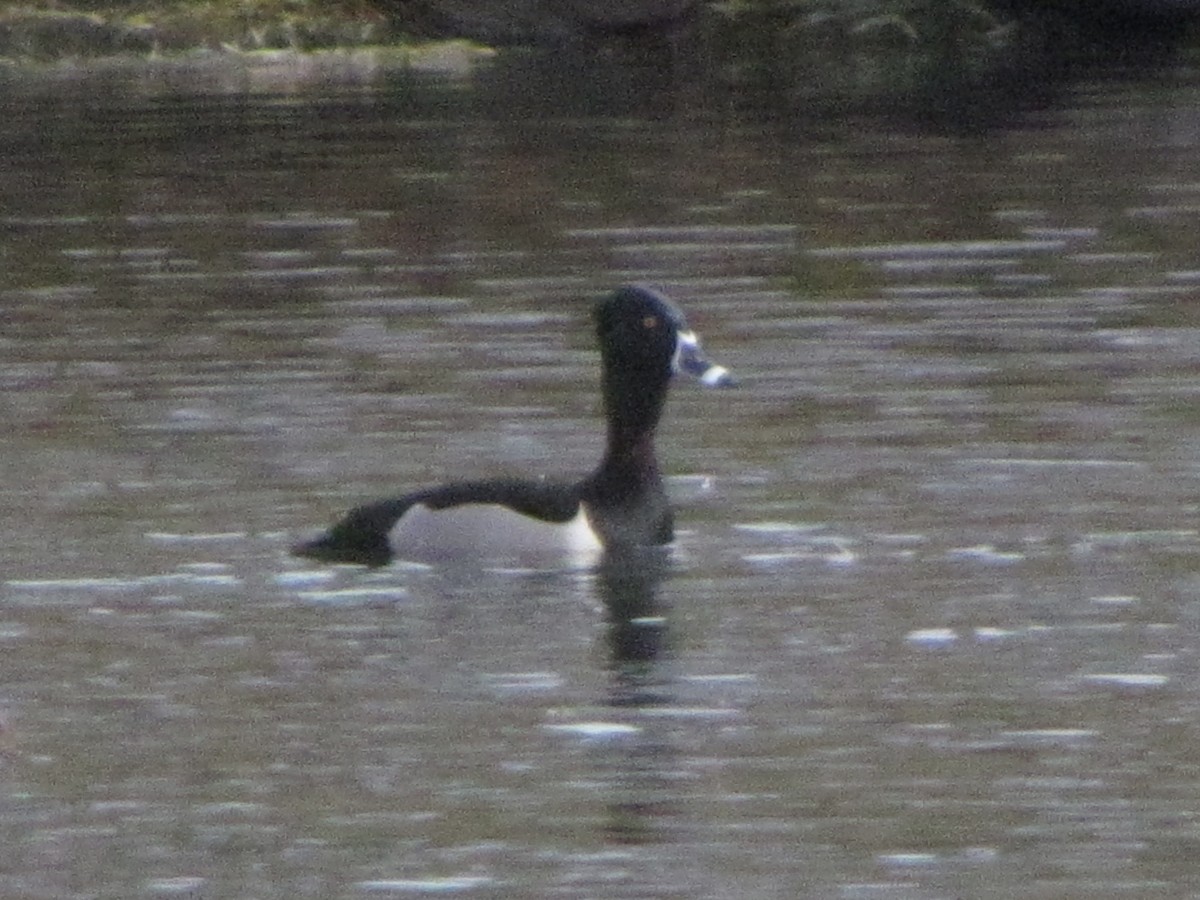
{"x": 261, "y": 71}
{"x": 963, "y": 67}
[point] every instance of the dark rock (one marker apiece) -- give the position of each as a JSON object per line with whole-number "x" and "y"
{"x": 506, "y": 22}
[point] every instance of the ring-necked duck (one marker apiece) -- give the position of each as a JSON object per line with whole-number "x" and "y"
{"x": 644, "y": 339}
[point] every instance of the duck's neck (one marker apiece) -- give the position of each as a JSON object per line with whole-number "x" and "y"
{"x": 629, "y": 454}
{"x": 630, "y": 451}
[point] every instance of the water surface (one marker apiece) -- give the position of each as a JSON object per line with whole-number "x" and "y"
{"x": 931, "y": 626}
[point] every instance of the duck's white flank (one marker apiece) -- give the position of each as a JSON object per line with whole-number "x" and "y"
{"x": 489, "y": 532}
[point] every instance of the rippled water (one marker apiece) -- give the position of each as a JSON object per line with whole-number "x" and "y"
{"x": 931, "y": 629}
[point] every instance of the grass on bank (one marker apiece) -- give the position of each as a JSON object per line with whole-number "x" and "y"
{"x": 46, "y": 31}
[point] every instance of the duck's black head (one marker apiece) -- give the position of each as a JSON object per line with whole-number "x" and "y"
{"x": 644, "y": 339}
{"x": 638, "y": 330}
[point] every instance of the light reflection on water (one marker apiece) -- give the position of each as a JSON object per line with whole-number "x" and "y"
{"x": 930, "y": 629}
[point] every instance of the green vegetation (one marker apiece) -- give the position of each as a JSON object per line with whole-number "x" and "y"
{"x": 840, "y": 41}
{"x": 856, "y": 42}
{"x": 46, "y": 31}
{"x": 816, "y": 55}
{"x": 827, "y": 55}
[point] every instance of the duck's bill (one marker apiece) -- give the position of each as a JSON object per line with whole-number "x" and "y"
{"x": 690, "y": 359}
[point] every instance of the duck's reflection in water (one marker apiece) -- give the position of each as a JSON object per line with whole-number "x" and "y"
{"x": 645, "y": 777}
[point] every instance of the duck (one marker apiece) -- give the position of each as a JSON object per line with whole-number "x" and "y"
{"x": 644, "y": 341}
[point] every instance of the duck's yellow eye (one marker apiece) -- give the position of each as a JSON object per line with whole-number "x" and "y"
{"x": 650, "y": 322}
